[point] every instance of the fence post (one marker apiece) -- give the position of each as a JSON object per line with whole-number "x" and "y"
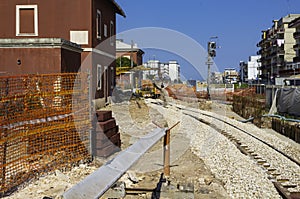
{"x": 167, "y": 150}
{"x": 167, "y": 153}
{"x": 91, "y": 108}
{"x": 4, "y": 137}
{"x": 3, "y": 161}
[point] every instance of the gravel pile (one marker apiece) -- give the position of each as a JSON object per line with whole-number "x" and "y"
{"x": 283, "y": 166}
{"x": 241, "y": 176}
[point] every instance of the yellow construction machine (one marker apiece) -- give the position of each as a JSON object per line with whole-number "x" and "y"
{"x": 147, "y": 90}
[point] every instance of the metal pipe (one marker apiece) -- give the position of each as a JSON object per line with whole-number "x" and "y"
{"x": 282, "y": 118}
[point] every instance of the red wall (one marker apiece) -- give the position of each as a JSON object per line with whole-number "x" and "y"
{"x": 55, "y": 18}
{"x": 33, "y": 60}
{"x": 38, "y": 61}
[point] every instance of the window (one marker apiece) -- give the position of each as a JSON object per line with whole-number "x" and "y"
{"x": 99, "y": 77}
{"x": 112, "y": 77}
{"x": 105, "y": 30}
{"x": 26, "y": 20}
{"x": 98, "y": 24}
{"x": 112, "y": 33}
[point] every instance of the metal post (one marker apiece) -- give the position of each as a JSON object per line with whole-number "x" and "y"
{"x": 167, "y": 150}
{"x": 91, "y": 107}
{"x": 208, "y": 75}
{"x": 131, "y": 56}
{"x": 167, "y": 153}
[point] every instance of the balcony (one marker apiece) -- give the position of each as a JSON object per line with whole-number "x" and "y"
{"x": 296, "y": 59}
{"x": 296, "y": 35}
{"x": 259, "y": 52}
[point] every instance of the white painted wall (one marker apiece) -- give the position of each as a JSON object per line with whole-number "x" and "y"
{"x": 253, "y": 65}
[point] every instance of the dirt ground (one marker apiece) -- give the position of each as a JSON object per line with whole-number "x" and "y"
{"x": 187, "y": 169}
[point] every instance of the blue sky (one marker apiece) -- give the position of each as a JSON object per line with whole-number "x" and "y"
{"x": 237, "y": 23}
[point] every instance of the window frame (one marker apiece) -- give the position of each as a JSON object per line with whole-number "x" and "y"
{"x": 98, "y": 24}
{"x": 35, "y": 11}
{"x": 99, "y": 76}
{"x": 111, "y": 32}
{"x": 112, "y": 77}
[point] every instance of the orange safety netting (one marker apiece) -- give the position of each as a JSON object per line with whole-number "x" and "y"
{"x": 44, "y": 125}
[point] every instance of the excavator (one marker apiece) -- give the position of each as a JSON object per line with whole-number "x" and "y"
{"x": 147, "y": 90}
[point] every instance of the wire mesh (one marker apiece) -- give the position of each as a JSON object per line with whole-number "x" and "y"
{"x": 44, "y": 125}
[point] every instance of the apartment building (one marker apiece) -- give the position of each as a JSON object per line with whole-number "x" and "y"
{"x": 249, "y": 71}
{"x": 276, "y": 48}
{"x": 169, "y": 69}
{"x": 295, "y": 67}
{"x": 230, "y": 76}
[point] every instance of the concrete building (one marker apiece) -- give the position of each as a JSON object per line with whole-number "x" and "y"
{"x": 60, "y": 36}
{"x": 294, "y": 69}
{"x": 249, "y": 71}
{"x": 243, "y": 71}
{"x": 174, "y": 71}
{"x": 230, "y": 76}
{"x": 154, "y": 69}
{"x": 159, "y": 70}
{"x": 130, "y": 51}
{"x": 276, "y": 48}
{"x": 216, "y": 78}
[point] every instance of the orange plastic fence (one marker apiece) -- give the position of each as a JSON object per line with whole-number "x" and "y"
{"x": 44, "y": 125}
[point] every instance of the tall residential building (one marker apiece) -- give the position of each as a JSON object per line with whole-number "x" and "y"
{"x": 276, "y": 48}
{"x": 249, "y": 71}
{"x": 174, "y": 71}
{"x": 158, "y": 69}
{"x": 216, "y": 78}
{"x": 243, "y": 71}
{"x": 295, "y": 68}
{"x": 230, "y": 76}
{"x": 154, "y": 68}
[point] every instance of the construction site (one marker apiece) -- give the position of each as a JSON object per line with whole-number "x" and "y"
{"x": 179, "y": 144}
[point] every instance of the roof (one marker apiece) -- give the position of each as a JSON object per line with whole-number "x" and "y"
{"x": 118, "y": 8}
{"x": 124, "y": 47}
{"x": 295, "y": 23}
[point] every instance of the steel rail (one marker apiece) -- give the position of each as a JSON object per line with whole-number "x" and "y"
{"x": 242, "y": 130}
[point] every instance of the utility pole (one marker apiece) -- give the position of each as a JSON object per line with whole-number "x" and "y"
{"x": 211, "y": 52}
{"x": 131, "y": 66}
{"x": 131, "y": 56}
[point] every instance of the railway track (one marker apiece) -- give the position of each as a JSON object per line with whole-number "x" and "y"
{"x": 282, "y": 168}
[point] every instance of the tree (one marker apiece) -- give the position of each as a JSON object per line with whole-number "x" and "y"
{"x": 124, "y": 62}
